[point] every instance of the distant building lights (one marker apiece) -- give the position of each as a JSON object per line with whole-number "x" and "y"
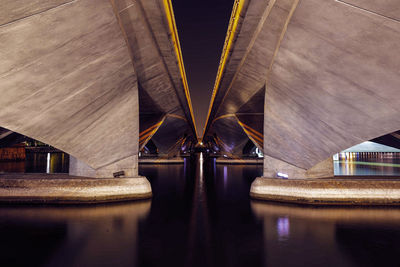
{"x": 282, "y": 175}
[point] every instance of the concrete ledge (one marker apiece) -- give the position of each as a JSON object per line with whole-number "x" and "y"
{"x": 328, "y": 191}
{"x": 64, "y": 189}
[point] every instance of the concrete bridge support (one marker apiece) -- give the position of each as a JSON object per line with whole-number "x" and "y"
{"x": 333, "y": 82}
{"x": 67, "y": 79}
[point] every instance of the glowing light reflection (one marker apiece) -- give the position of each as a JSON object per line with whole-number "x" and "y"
{"x": 283, "y": 227}
{"x": 48, "y": 163}
{"x": 225, "y": 176}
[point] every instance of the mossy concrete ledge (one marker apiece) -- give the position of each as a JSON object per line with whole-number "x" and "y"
{"x": 65, "y": 189}
{"x": 328, "y": 191}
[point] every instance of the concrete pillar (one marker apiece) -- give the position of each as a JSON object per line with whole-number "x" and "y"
{"x": 80, "y": 168}
{"x": 129, "y": 166}
{"x": 273, "y": 167}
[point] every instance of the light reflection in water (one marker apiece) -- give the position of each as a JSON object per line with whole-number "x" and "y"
{"x": 214, "y": 168}
{"x": 103, "y": 235}
{"x": 329, "y": 236}
{"x": 201, "y": 174}
{"x": 283, "y": 227}
{"x": 37, "y": 162}
{"x": 225, "y": 177}
{"x": 184, "y": 166}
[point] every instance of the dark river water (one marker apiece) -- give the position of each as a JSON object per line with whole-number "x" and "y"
{"x": 347, "y": 164}
{"x": 200, "y": 215}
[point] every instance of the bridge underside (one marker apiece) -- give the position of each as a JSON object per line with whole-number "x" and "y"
{"x": 81, "y": 75}
{"x": 309, "y": 78}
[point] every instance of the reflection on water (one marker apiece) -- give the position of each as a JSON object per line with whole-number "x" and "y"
{"x": 329, "y": 236}
{"x": 103, "y": 235}
{"x": 200, "y": 218}
{"x": 200, "y": 215}
{"x": 55, "y": 162}
{"x": 367, "y": 163}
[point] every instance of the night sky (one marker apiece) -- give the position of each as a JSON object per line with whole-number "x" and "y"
{"x": 202, "y": 26}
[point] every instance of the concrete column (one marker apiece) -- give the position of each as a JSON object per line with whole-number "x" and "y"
{"x": 80, "y": 168}
{"x": 274, "y": 166}
{"x": 129, "y": 166}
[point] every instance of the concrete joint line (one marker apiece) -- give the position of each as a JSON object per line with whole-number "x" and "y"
{"x": 260, "y": 25}
{"x": 43, "y": 11}
{"x": 146, "y": 22}
{"x": 278, "y": 45}
{"x": 366, "y": 10}
{"x": 129, "y": 6}
{"x": 121, "y": 26}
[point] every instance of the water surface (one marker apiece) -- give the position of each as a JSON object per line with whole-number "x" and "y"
{"x": 200, "y": 215}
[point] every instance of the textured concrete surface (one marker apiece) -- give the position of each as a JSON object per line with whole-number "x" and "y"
{"x": 128, "y": 165}
{"x": 64, "y": 189}
{"x": 327, "y": 70}
{"x": 328, "y": 191}
{"x": 334, "y": 82}
{"x": 78, "y": 74}
{"x": 273, "y": 166}
{"x": 163, "y": 89}
{"x": 66, "y": 79}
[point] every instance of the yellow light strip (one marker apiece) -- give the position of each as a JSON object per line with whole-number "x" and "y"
{"x": 174, "y": 34}
{"x": 145, "y": 138}
{"x": 223, "y": 117}
{"x": 254, "y": 136}
{"x": 148, "y": 129}
{"x": 258, "y": 139}
{"x": 255, "y": 132}
{"x": 233, "y": 23}
{"x": 176, "y": 116}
